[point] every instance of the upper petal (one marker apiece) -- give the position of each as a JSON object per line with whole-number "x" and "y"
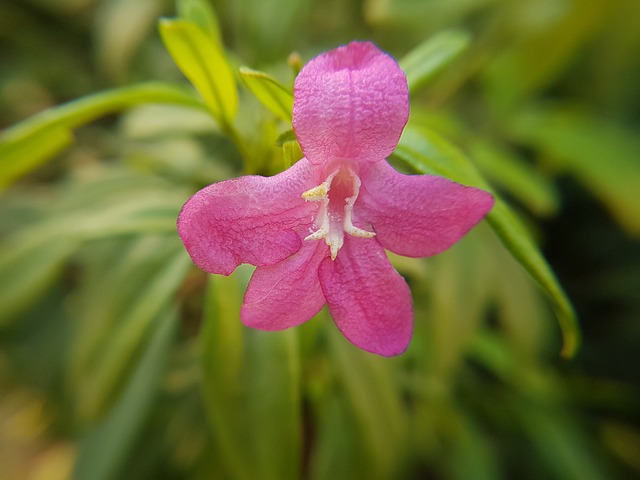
{"x": 351, "y": 102}
{"x": 368, "y": 300}
{"x": 285, "y": 294}
{"x": 418, "y": 215}
{"x": 249, "y": 219}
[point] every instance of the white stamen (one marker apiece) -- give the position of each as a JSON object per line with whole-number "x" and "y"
{"x": 348, "y": 225}
{"x": 334, "y": 237}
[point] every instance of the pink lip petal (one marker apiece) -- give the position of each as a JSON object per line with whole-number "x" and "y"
{"x": 368, "y": 300}
{"x": 249, "y": 219}
{"x": 285, "y": 294}
{"x": 351, "y": 102}
{"x": 419, "y": 215}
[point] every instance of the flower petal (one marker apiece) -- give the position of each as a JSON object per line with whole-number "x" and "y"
{"x": 351, "y": 102}
{"x": 285, "y": 294}
{"x": 368, "y": 300}
{"x": 418, "y": 215}
{"x": 249, "y": 219}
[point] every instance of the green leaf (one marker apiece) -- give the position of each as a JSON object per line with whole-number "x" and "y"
{"x": 122, "y": 28}
{"x": 339, "y": 448}
{"x": 537, "y": 56}
{"x": 105, "y": 448}
{"x": 201, "y": 59}
{"x": 427, "y": 60}
{"x": 291, "y": 150}
{"x": 284, "y": 137}
{"x": 200, "y": 13}
{"x": 26, "y": 154}
{"x": 375, "y": 402}
{"x": 464, "y": 271}
{"x": 269, "y": 27}
{"x": 251, "y": 388}
{"x": 507, "y": 170}
{"x": 120, "y": 204}
{"x": 117, "y": 306}
{"x": 469, "y": 455}
{"x": 32, "y": 142}
{"x": 28, "y": 265}
{"x": 271, "y": 93}
{"x": 428, "y": 153}
{"x": 521, "y": 311}
{"x": 560, "y": 442}
{"x": 601, "y": 155}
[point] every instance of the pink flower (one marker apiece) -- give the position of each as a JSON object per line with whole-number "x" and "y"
{"x": 318, "y": 231}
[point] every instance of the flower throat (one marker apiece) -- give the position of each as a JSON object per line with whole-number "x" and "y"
{"x": 337, "y": 194}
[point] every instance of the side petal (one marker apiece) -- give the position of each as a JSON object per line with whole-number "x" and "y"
{"x": 418, "y": 215}
{"x": 351, "y": 102}
{"x": 285, "y": 294}
{"x": 249, "y": 219}
{"x": 368, "y": 300}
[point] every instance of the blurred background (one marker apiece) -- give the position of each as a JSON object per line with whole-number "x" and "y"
{"x": 119, "y": 359}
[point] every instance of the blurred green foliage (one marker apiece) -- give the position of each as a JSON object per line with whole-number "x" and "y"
{"x": 119, "y": 359}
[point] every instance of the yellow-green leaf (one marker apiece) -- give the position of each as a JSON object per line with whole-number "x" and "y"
{"x": 203, "y": 62}
{"x": 271, "y": 93}
{"x": 19, "y": 157}
{"x": 200, "y": 13}
{"x": 32, "y": 142}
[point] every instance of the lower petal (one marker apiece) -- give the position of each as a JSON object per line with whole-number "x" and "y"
{"x": 368, "y": 300}
{"x": 419, "y": 215}
{"x": 286, "y": 294}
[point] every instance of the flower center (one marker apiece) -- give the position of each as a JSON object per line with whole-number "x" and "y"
{"x": 337, "y": 194}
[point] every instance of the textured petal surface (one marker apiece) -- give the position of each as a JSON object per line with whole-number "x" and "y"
{"x": 351, "y": 102}
{"x": 368, "y": 300}
{"x": 285, "y": 294}
{"x": 418, "y": 215}
{"x": 249, "y": 219}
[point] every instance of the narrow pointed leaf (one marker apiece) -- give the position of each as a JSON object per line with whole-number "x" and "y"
{"x": 339, "y": 450}
{"x": 32, "y": 142}
{"x": 428, "y": 59}
{"x": 34, "y": 254}
{"x": 251, "y": 388}
{"x": 200, "y": 13}
{"x": 375, "y": 403}
{"x": 28, "y": 265}
{"x": 203, "y": 62}
{"x": 118, "y": 304}
{"x": 428, "y": 153}
{"x": 512, "y": 174}
{"x": 118, "y": 35}
{"x": 535, "y": 57}
{"x": 271, "y": 93}
{"x": 24, "y": 155}
{"x": 291, "y": 152}
{"x": 601, "y": 155}
{"x": 104, "y": 450}
{"x": 559, "y": 441}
